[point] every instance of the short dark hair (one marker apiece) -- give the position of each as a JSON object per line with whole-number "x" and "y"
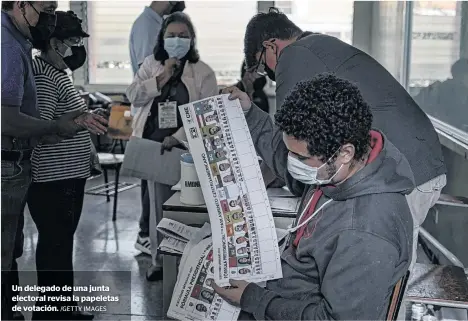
{"x": 160, "y": 53}
{"x": 8, "y": 5}
{"x": 326, "y": 112}
{"x": 264, "y": 26}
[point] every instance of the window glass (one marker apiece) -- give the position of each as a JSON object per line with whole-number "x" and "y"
{"x": 438, "y": 77}
{"x": 220, "y": 27}
{"x": 321, "y": 16}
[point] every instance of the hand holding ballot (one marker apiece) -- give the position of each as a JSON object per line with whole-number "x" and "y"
{"x": 236, "y": 93}
{"x": 233, "y": 293}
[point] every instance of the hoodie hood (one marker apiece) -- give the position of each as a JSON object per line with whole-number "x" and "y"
{"x": 388, "y": 172}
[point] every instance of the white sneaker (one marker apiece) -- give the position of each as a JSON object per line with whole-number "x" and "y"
{"x": 143, "y": 244}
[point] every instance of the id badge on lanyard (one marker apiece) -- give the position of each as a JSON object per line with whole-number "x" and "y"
{"x": 167, "y": 115}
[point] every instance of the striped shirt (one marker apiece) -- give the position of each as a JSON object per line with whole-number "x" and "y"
{"x": 55, "y": 96}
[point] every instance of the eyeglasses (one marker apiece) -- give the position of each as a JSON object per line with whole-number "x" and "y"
{"x": 74, "y": 42}
{"x": 260, "y": 67}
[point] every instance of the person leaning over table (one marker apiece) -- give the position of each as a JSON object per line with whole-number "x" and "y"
{"x": 274, "y": 45}
{"x": 173, "y": 74}
{"x": 351, "y": 242}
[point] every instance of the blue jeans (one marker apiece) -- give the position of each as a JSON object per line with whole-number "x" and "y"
{"x": 16, "y": 177}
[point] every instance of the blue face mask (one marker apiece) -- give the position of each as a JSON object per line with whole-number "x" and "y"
{"x": 177, "y": 47}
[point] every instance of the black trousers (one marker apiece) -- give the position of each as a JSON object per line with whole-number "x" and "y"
{"x": 55, "y": 208}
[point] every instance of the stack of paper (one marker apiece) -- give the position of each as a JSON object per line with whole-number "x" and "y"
{"x": 279, "y": 192}
{"x": 284, "y": 205}
{"x": 176, "y": 236}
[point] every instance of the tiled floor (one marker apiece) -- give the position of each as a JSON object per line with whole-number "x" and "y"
{"x": 102, "y": 245}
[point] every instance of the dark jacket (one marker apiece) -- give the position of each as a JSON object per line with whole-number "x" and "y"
{"x": 395, "y": 112}
{"x": 347, "y": 259}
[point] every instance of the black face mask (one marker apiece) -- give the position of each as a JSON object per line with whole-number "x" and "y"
{"x": 77, "y": 59}
{"x": 259, "y": 83}
{"x": 41, "y": 32}
{"x": 270, "y": 73}
{"x": 178, "y": 6}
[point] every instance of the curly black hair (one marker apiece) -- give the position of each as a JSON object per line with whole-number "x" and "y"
{"x": 160, "y": 53}
{"x": 326, "y": 112}
{"x": 264, "y": 26}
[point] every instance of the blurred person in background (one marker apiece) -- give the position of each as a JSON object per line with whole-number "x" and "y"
{"x": 145, "y": 29}
{"x": 253, "y": 85}
{"x": 448, "y": 100}
{"x": 174, "y": 75}
{"x": 275, "y": 46}
{"x": 60, "y": 168}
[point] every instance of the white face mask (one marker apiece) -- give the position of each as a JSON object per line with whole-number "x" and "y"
{"x": 177, "y": 47}
{"x": 307, "y": 174}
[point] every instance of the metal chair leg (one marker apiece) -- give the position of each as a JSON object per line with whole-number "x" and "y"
{"x": 116, "y": 192}
{"x": 106, "y": 180}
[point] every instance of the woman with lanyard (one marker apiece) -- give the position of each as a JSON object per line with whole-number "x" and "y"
{"x": 174, "y": 75}
{"x": 60, "y": 165}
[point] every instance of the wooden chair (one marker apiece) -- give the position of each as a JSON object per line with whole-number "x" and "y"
{"x": 396, "y": 298}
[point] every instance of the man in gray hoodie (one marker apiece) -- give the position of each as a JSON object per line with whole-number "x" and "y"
{"x": 353, "y": 234}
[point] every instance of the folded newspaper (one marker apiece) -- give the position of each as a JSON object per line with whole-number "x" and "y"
{"x": 242, "y": 224}
{"x": 193, "y": 297}
{"x": 176, "y": 236}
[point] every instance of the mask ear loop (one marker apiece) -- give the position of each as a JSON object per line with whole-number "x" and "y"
{"x": 294, "y": 229}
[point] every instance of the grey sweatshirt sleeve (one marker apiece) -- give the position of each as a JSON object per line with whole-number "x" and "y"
{"x": 268, "y": 142}
{"x": 358, "y": 276}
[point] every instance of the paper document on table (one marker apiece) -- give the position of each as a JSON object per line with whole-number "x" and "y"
{"x": 284, "y": 204}
{"x": 244, "y": 240}
{"x": 279, "y": 192}
{"x": 172, "y": 245}
{"x": 193, "y": 297}
{"x": 176, "y": 230}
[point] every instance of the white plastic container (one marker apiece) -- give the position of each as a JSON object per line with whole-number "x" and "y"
{"x": 190, "y": 190}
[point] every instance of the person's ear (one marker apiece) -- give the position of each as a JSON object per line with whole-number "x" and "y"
{"x": 346, "y": 153}
{"x": 270, "y": 44}
{"x": 22, "y": 6}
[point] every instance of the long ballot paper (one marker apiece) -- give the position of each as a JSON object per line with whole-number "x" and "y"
{"x": 245, "y": 245}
